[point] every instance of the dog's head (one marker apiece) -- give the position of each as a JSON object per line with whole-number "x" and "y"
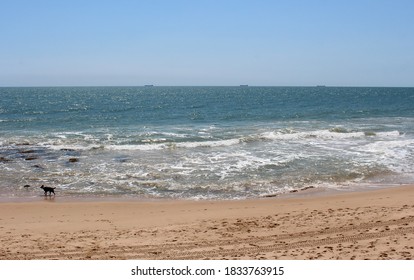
{"x": 42, "y": 187}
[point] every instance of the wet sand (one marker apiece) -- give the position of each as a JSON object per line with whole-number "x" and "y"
{"x": 376, "y": 224}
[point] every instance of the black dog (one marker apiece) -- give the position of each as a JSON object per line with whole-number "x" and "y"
{"x": 48, "y": 190}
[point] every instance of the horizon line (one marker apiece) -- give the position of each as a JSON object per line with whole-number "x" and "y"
{"x": 241, "y": 85}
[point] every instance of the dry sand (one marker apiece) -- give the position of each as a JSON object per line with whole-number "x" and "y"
{"x": 360, "y": 225}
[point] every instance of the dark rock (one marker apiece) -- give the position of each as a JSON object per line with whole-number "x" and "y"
{"x": 73, "y": 160}
{"x": 3, "y": 159}
{"x": 270, "y": 195}
{"x": 307, "y": 188}
{"x": 23, "y": 144}
{"x": 31, "y": 158}
{"x": 27, "y": 152}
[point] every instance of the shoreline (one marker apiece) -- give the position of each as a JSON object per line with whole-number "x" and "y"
{"x": 370, "y": 224}
{"x": 309, "y": 191}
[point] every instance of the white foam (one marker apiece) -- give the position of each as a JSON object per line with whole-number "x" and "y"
{"x": 57, "y": 147}
{"x": 217, "y": 143}
{"x": 317, "y": 134}
{"x": 154, "y": 140}
{"x": 144, "y": 147}
{"x": 396, "y": 155}
{"x": 394, "y": 133}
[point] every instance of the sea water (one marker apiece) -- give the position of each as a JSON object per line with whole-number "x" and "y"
{"x": 203, "y": 142}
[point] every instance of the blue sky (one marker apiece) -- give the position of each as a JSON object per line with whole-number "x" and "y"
{"x": 207, "y": 42}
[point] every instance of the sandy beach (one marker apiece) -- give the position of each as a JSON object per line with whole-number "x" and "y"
{"x": 375, "y": 224}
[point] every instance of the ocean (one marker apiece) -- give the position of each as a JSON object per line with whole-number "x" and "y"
{"x": 202, "y": 142}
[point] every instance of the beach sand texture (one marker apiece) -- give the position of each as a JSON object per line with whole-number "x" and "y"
{"x": 377, "y": 224}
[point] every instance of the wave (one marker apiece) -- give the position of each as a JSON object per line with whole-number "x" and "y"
{"x": 330, "y": 134}
{"x": 156, "y": 140}
{"x": 175, "y": 145}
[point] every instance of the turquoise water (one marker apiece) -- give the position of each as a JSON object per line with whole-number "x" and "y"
{"x": 203, "y": 142}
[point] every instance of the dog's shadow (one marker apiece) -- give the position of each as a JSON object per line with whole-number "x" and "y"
{"x": 49, "y": 198}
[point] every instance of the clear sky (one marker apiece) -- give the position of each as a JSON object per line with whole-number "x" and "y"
{"x": 207, "y": 42}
